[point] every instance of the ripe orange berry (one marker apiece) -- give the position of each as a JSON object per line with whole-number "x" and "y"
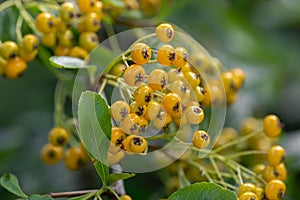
{"x": 15, "y": 68}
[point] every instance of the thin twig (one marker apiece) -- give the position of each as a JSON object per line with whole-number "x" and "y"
{"x": 71, "y": 193}
{"x": 215, "y": 166}
{"x": 234, "y": 142}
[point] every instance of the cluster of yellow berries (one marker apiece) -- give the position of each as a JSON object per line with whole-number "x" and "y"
{"x": 58, "y": 149}
{"x": 58, "y": 32}
{"x": 172, "y": 92}
{"x": 274, "y": 171}
{"x": 14, "y": 57}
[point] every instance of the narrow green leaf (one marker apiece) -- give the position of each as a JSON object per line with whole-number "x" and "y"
{"x": 102, "y": 170}
{"x": 95, "y": 130}
{"x": 11, "y": 183}
{"x": 66, "y": 62}
{"x": 182, "y": 178}
{"x": 203, "y": 191}
{"x": 39, "y": 197}
{"x": 112, "y": 178}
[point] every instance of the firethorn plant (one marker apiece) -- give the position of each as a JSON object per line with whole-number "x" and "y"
{"x": 153, "y": 101}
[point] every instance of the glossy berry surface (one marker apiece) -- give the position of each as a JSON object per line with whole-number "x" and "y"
{"x": 134, "y": 75}
{"x": 165, "y": 32}
{"x": 201, "y": 139}
{"x": 119, "y": 110}
{"x": 272, "y": 126}
{"x": 143, "y": 94}
{"x": 140, "y": 53}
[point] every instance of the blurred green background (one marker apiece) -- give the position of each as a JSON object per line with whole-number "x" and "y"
{"x": 260, "y": 36}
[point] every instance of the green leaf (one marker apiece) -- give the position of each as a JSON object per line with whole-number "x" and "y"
{"x": 182, "y": 178}
{"x": 11, "y": 183}
{"x": 112, "y": 178}
{"x": 95, "y": 130}
{"x": 203, "y": 191}
{"x": 66, "y": 62}
{"x": 39, "y": 197}
{"x": 102, "y": 170}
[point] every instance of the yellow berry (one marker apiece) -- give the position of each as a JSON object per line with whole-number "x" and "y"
{"x": 272, "y": 126}
{"x": 275, "y": 189}
{"x": 201, "y": 139}
{"x": 130, "y": 124}
{"x": 276, "y": 155}
{"x": 119, "y": 110}
{"x": 275, "y": 172}
{"x": 78, "y": 52}
{"x": 45, "y": 22}
{"x": 246, "y": 187}
{"x": 172, "y": 104}
{"x": 143, "y": 94}
{"x": 166, "y": 55}
{"x": 140, "y": 53}
{"x": 30, "y": 42}
{"x": 15, "y": 68}
{"x": 158, "y": 79}
{"x": 58, "y": 136}
{"x": 51, "y": 154}
{"x": 9, "y": 49}
{"x": 181, "y": 57}
{"x": 73, "y": 158}
{"x": 49, "y": 39}
{"x": 135, "y": 144}
{"x": 194, "y": 114}
{"x": 134, "y": 75}
{"x": 125, "y": 197}
{"x": 165, "y": 32}
{"x": 248, "y": 196}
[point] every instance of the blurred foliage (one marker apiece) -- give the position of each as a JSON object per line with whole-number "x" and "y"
{"x": 260, "y": 36}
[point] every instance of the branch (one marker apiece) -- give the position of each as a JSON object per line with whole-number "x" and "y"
{"x": 70, "y": 194}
